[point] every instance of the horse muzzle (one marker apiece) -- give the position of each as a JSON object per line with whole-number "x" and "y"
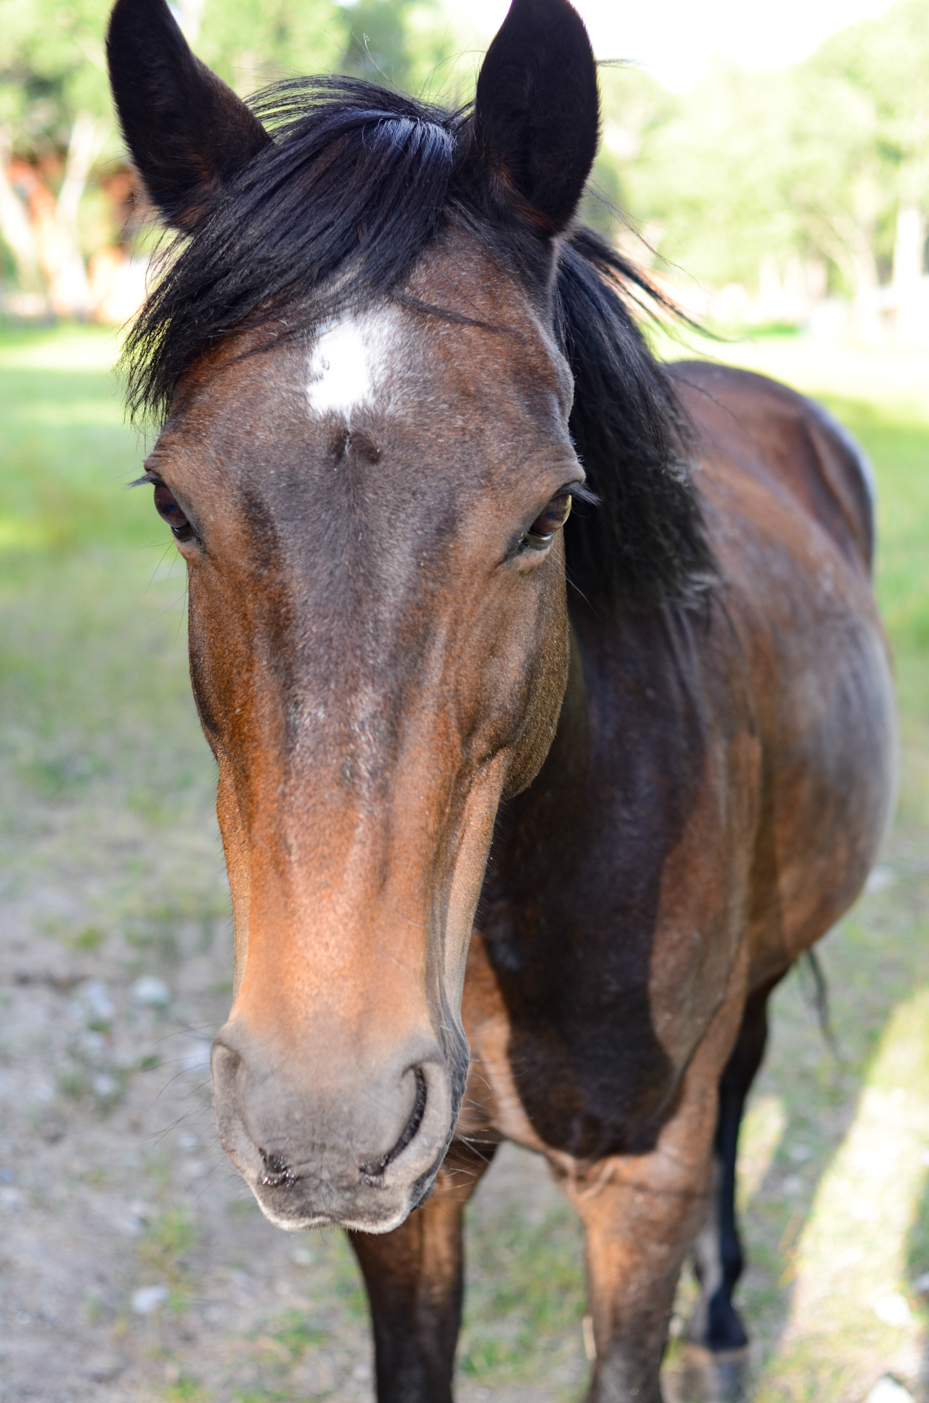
{"x": 357, "y": 1149}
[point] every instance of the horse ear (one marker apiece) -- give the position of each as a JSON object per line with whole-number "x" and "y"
{"x": 186, "y": 131}
{"x": 536, "y": 117}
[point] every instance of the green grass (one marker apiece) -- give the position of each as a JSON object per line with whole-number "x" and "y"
{"x": 104, "y": 772}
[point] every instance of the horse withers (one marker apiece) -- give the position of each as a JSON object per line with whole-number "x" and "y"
{"x": 524, "y": 816}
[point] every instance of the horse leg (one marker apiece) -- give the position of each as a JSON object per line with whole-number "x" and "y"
{"x": 415, "y": 1285}
{"x": 718, "y": 1259}
{"x": 641, "y": 1214}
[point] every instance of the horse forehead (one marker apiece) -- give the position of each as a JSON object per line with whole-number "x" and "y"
{"x": 388, "y": 359}
{"x": 355, "y": 361}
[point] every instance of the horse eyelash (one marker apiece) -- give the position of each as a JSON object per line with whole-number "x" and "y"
{"x": 581, "y": 492}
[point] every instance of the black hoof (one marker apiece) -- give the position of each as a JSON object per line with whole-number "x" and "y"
{"x": 714, "y": 1376}
{"x": 716, "y": 1326}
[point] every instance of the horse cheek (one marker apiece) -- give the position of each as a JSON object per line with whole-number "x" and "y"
{"x": 546, "y": 693}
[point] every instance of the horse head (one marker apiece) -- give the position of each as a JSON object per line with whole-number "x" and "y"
{"x": 366, "y": 465}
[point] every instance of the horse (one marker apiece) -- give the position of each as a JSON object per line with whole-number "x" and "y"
{"x": 525, "y": 812}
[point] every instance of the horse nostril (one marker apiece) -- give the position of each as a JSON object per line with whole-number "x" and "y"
{"x": 277, "y": 1171}
{"x": 374, "y": 1169}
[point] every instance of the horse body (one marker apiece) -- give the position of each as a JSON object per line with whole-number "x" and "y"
{"x": 712, "y": 799}
{"x": 645, "y": 794}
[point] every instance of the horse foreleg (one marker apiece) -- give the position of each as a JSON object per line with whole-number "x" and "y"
{"x": 718, "y": 1259}
{"x": 641, "y": 1214}
{"x": 414, "y": 1281}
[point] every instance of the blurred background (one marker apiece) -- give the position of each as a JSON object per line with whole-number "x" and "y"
{"x": 772, "y": 173}
{"x": 770, "y": 193}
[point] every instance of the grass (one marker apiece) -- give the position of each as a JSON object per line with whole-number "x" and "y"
{"x": 100, "y": 738}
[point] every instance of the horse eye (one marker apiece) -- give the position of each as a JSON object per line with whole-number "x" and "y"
{"x": 548, "y": 522}
{"x": 169, "y": 511}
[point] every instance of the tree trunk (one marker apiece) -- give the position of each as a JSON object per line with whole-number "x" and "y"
{"x": 15, "y": 228}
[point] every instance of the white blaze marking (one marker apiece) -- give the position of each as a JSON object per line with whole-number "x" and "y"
{"x": 350, "y": 361}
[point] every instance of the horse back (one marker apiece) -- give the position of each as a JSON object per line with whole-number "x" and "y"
{"x": 788, "y": 441}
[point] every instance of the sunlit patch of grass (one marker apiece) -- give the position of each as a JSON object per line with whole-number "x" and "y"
{"x": 63, "y": 347}
{"x": 850, "y": 1271}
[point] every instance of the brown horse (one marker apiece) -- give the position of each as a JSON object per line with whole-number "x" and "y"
{"x": 573, "y": 794}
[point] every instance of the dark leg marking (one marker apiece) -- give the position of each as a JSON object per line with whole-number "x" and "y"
{"x": 718, "y": 1259}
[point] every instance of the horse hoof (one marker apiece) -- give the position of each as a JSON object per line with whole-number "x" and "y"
{"x": 711, "y": 1376}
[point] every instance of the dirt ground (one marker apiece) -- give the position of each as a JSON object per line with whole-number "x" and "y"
{"x": 135, "y": 1263}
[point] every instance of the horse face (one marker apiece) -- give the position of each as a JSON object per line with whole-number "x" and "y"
{"x": 378, "y": 637}
{"x": 378, "y": 644}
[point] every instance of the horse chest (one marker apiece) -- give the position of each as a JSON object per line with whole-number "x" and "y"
{"x": 610, "y": 915}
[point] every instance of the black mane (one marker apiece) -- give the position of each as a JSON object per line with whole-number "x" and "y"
{"x": 336, "y": 212}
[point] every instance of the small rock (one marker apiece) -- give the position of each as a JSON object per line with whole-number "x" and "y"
{"x": 12, "y": 1198}
{"x": 93, "y": 997}
{"x": 141, "y": 1213}
{"x": 150, "y": 992}
{"x": 880, "y": 879}
{"x": 888, "y": 1390}
{"x": 893, "y": 1310}
{"x": 104, "y": 1086}
{"x": 148, "y": 1299}
{"x": 100, "y": 1368}
{"x": 50, "y": 1124}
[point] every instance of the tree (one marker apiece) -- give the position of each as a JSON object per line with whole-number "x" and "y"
{"x": 409, "y": 44}
{"x": 825, "y": 163}
{"x": 56, "y": 127}
{"x": 54, "y": 118}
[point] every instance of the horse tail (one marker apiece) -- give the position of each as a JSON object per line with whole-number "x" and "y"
{"x": 820, "y": 999}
